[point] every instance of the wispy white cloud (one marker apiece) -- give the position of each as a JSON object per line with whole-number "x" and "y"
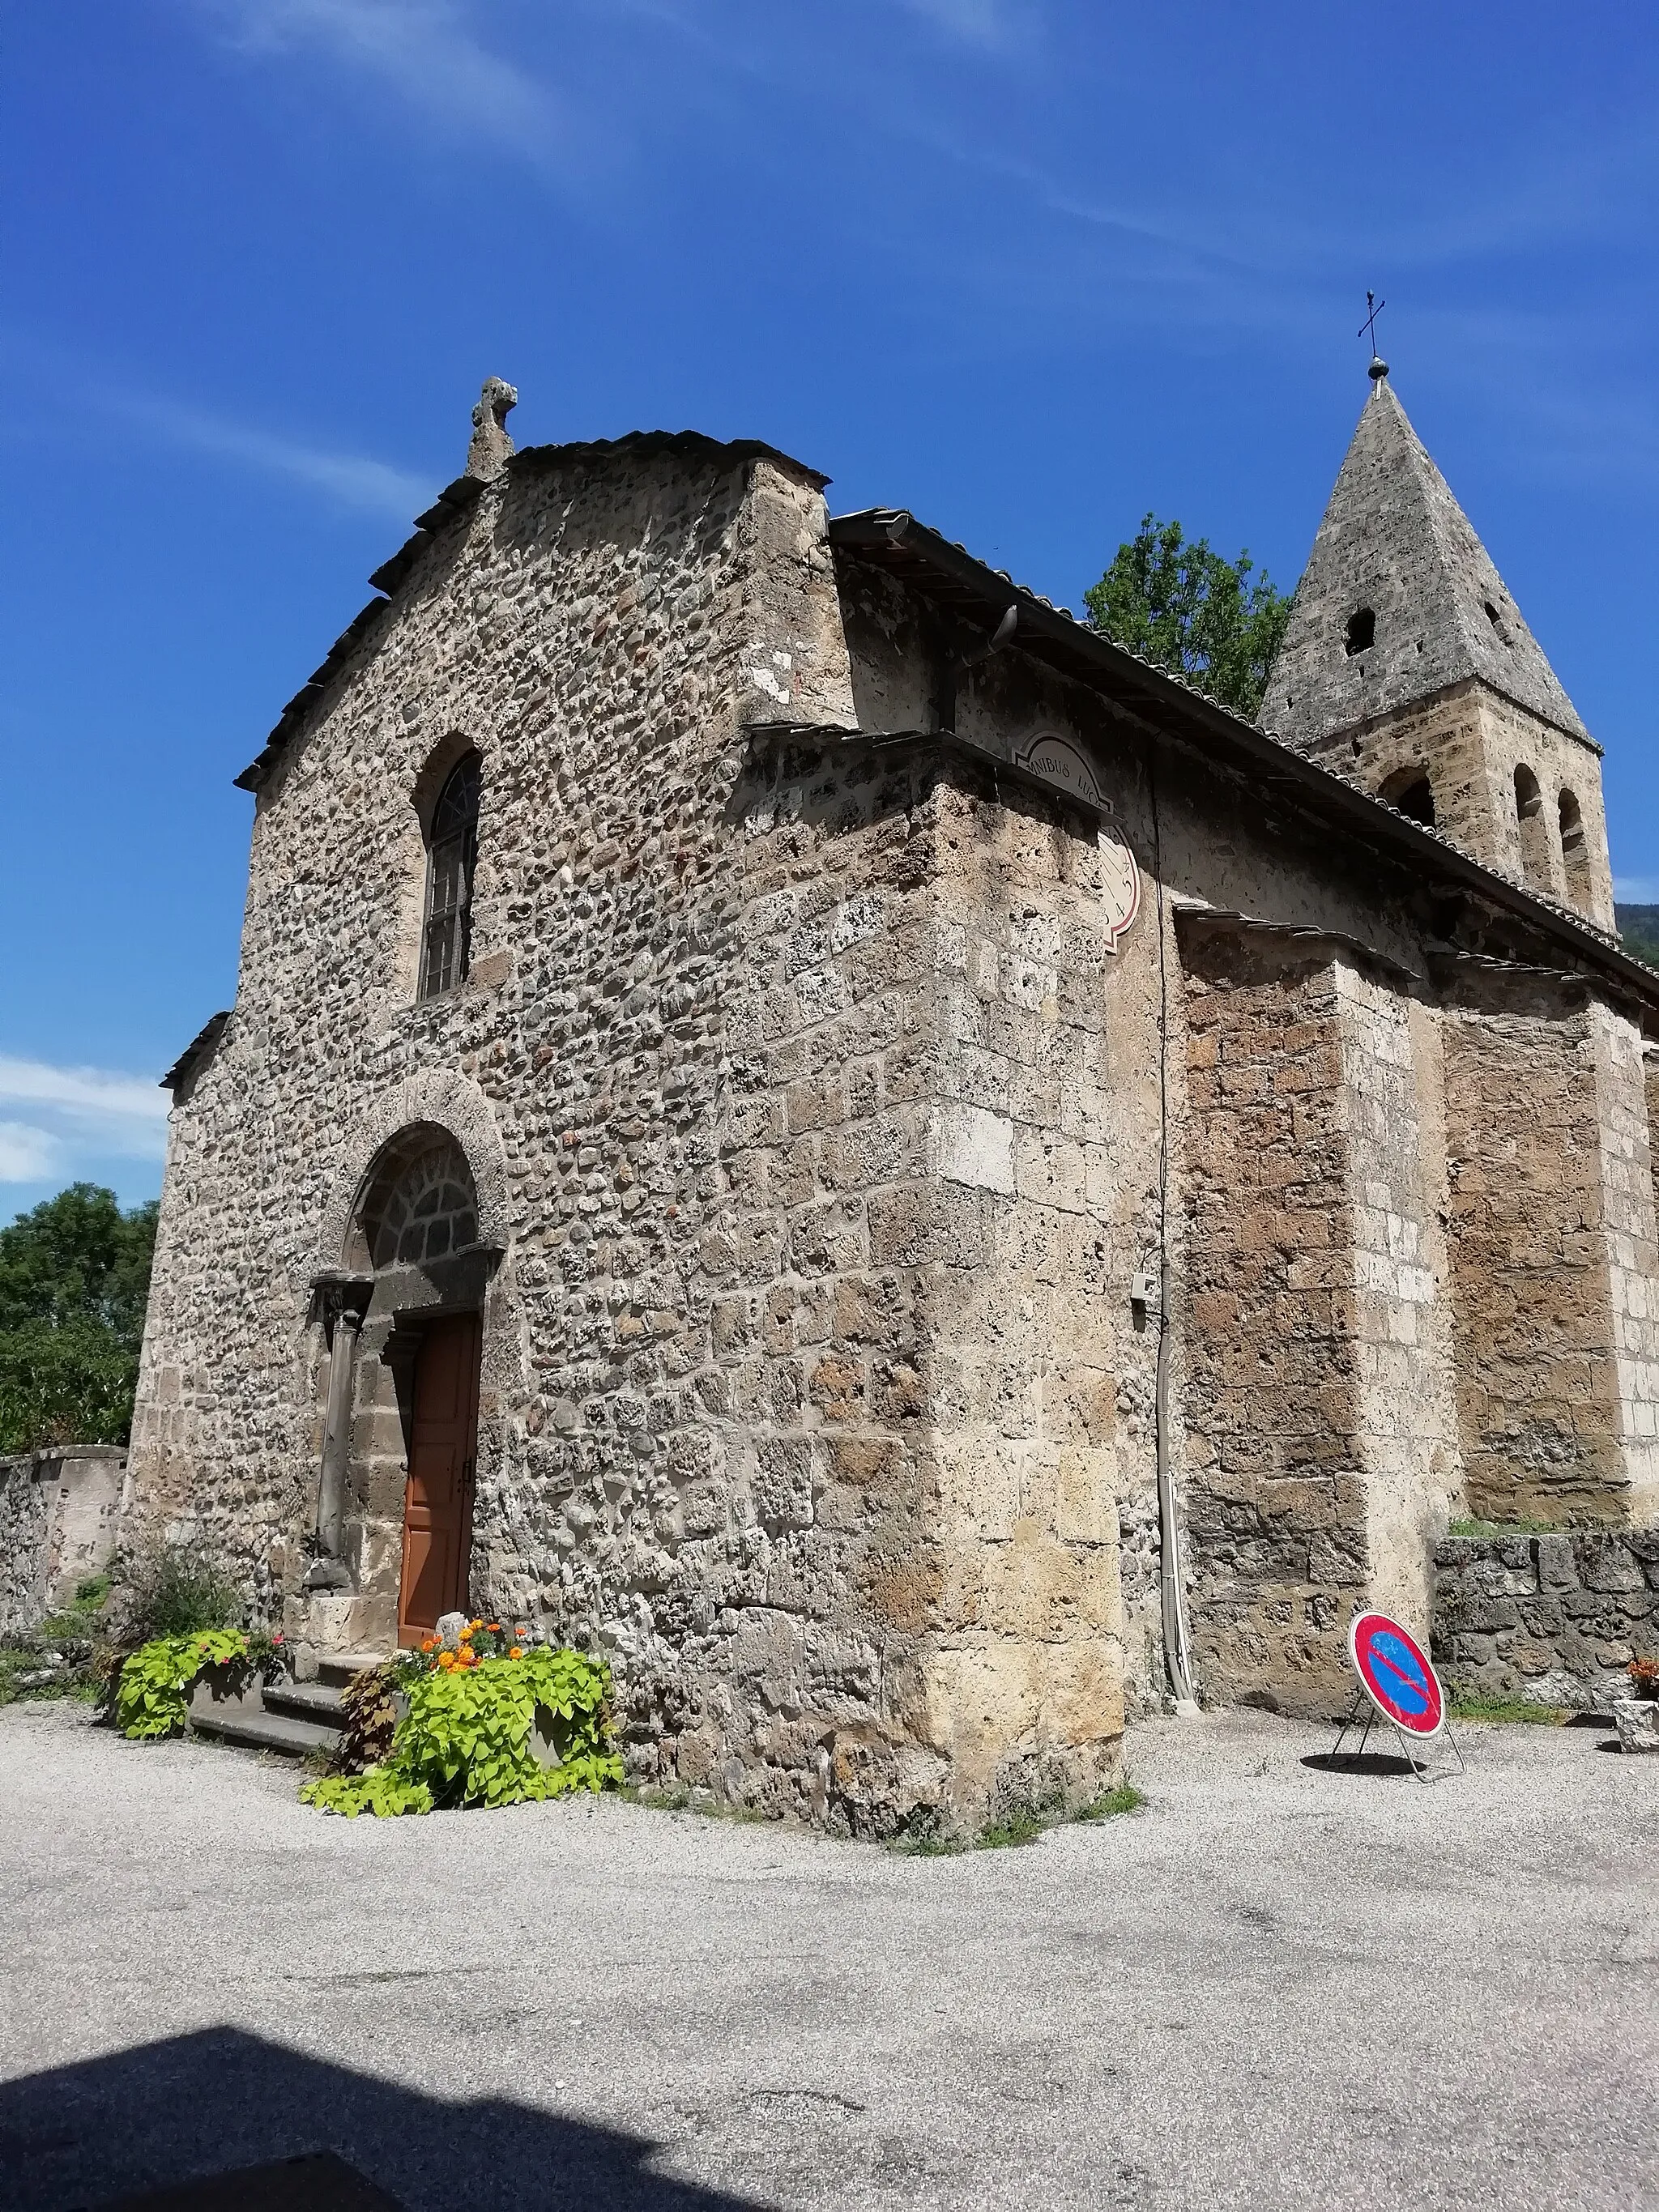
{"x": 355, "y": 482}
{"x": 75, "y": 1114}
{"x": 26, "y": 1154}
{"x": 349, "y": 480}
{"x": 431, "y": 56}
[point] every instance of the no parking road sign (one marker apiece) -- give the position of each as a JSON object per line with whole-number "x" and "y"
{"x": 1394, "y": 1673}
{"x": 1398, "y": 1679}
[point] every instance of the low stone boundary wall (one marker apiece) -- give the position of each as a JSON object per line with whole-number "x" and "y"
{"x": 1555, "y": 1618}
{"x": 60, "y": 1513}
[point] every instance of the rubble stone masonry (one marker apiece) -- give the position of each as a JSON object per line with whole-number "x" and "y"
{"x": 1552, "y": 1253}
{"x": 814, "y": 1137}
{"x": 1553, "y": 1618}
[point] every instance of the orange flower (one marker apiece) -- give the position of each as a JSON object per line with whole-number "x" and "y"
{"x": 431, "y": 1644}
{"x": 517, "y": 1652}
{"x": 446, "y": 1660}
{"x": 495, "y": 1628}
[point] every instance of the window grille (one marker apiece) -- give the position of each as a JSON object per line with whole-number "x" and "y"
{"x": 452, "y": 853}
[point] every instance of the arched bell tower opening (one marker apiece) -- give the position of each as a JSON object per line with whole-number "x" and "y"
{"x": 403, "y": 1319}
{"x": 1533, "y": 829}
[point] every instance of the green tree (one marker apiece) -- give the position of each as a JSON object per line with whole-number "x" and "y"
{"x": 1639, "y": 927}
{"x": 74, "y": 1279}
{"x": 1174, "y": 601}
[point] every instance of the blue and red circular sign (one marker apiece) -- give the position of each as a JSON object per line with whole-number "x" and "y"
{"x": 1398, "y": 1678}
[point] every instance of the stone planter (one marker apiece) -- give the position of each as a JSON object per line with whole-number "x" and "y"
{"x": 1637, "y": 1720}
{"x": 232, "y": 1689}
{"x": 550, "y": 1737}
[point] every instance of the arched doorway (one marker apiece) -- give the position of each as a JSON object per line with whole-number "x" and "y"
{"x": 395, "y": 1502}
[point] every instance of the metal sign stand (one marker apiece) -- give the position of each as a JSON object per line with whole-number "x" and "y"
{"x": 1363, "y": 1701}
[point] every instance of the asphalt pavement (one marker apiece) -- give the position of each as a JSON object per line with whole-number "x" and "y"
{"x": 1275, "y": 1985}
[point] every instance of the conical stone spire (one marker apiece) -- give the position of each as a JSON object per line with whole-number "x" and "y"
{"x": 1400, "y": 601}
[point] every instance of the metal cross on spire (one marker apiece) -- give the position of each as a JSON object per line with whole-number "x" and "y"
{"x": 1374, "y": 307}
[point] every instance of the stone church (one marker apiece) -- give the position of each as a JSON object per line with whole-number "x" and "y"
{"x": 795, "y": 1116}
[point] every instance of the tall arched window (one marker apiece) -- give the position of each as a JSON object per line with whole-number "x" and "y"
{"x": 1535, "y": 836}
{"x": 451, "y": 851}
{"x": 1575, "y": 851}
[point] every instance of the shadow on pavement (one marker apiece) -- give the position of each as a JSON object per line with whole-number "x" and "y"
{"x": 134, "y": 2129}
{"x": 1364, "y": 1766}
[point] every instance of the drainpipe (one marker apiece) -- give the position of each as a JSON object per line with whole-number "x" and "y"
{"x": 1172, "y": 1581}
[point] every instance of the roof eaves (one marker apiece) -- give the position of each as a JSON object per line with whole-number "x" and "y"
{"x": 197, "y": 1054}
{"x": 299, "y": 707}
{"x": 454, "y": 502}
{"x": 646, "y": 443}
{"x": 895, "y": 533}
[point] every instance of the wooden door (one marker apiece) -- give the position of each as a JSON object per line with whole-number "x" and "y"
{"x": 438, "y": 1501}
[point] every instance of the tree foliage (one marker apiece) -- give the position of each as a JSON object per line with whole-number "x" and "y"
{"x": 74, "y": 1279}
{"x": 1175, "y": 601}
{"x": 1639, "y": 927}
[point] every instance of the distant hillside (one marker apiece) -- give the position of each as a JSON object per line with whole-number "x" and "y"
{"x": 1639, "y": 927}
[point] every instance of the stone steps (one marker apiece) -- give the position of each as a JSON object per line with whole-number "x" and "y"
{"x": 294, "y": 1718}
{"x": 252, "y": 1728}
{"x": 335, "y": 1669}
{"x": 305, "y": 1701}
{"x": 246, "y": 1722}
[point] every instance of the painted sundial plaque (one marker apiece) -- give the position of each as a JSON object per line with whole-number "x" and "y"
{"x": 1059, "y": 761}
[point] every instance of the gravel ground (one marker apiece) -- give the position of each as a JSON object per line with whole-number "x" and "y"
{"x": 1274, "y": 1986}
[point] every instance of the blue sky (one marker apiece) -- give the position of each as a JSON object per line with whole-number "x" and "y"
{"x": 1029, "y": 267}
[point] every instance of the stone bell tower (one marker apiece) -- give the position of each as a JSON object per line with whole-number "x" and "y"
{"x": 1408, "y": 669}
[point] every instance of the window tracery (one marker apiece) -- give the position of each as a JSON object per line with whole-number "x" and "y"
{"x": 452, "y": 856}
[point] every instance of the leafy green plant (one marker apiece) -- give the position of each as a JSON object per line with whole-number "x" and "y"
{"x": 380, "y": 1790}
{"x": 267, "y": 1653}
{"x": 466, "y": 1739}
{"x": 152, "y": 1690}
{"x": 1024, "y": 1826}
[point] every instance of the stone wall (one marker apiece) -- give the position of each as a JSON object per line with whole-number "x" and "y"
{"x": 905, "y": 1303}
{"x": 1555, "y": 1618}
{"x": 1032, "y": 1302}
{"x": 1320, "y": 1423}
{"x": 1406, "y": 1434}
{"x": 58, "y": 1518}
{"x": 816, "y": 1130}
{"x": 1276, "y": 1503}
{"x": 595, "y": 625}
{"x": 1551, "y": 1234}
{"x": 738, "y": 1285}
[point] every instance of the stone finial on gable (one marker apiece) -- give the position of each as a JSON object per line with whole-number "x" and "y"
{"x": 491, "y": 448}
